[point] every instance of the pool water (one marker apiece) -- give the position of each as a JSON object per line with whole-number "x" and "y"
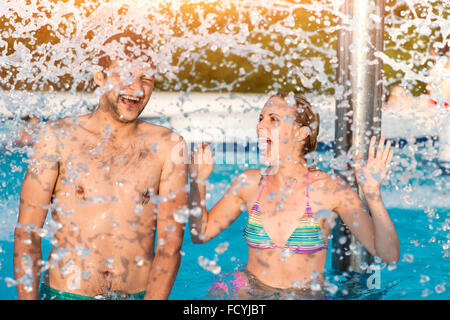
{"x": 417, "y": 200}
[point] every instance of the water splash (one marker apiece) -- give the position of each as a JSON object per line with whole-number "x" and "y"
{"x": 210, "y": 46}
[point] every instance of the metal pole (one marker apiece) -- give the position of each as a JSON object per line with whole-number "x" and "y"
{"x": 358, "y": 104}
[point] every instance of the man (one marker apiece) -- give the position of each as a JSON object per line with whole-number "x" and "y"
{"x": 113, "y": 184}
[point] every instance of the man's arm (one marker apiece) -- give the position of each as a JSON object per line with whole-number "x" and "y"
{"x": 170, "y": 233}
{"x": 35, "y": 195}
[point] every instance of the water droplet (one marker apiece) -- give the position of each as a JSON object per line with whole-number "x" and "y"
{"x": 408, "y": 258}
{"x": 138, "y": 209}
{"x": 154, "y": 147}
{"x": 171, "y": 228}
{"x": 392, "y": 266}
{"x": 109, "y": 262}
{"x": 196, "y": 212}
{"x": 209, "y": 265}
{"x": 181, "y": 215}
{"x": 82, "y": 252}
{"x": 424, "y": 278}
{"x": 315, "y": 286}
{"x": 285, "y": 254}
{"x": 139, "y": 261}
{"x": 222, "y": 247}
{"x": 440, "y": 288}
{"x": 10, "y": 281}
{"x": 363, "y": 265}
{"x": 342, "y": 239}
{"x": 426, "y": 292}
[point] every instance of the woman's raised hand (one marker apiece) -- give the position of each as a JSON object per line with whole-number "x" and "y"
{"x": 202, "y": 162}
{"x": 371, "y": 174}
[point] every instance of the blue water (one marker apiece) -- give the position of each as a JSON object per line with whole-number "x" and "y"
{"x": 417, "y": 201}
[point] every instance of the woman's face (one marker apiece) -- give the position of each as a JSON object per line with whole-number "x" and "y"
{"x": 278, "y": 133}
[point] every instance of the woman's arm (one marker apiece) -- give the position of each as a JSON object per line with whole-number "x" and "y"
{"x": 205, "y": 225}
{"x": 376, "y": 231}
{"x": 387, "y": 246}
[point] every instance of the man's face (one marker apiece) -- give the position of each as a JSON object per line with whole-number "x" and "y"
{"x": 129, "y": 86}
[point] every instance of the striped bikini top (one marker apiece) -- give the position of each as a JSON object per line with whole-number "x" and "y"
{"x": 307, "y": 237}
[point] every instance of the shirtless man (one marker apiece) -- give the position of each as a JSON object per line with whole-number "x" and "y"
{"x": 113, "y": 182}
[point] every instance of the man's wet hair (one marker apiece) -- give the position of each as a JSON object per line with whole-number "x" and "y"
{"x": 442, "y": 49}
{"x": 134, "y": 46}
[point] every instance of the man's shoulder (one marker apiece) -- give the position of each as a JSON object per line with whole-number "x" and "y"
{"x": 160, "y": 133}
{"x": 64, "y": 130}
{"x": 50, "y": 135}
{"x": 50, "y": 129}
{"x": 63, "y": 123}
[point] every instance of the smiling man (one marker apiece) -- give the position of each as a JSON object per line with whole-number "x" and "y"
{"x": 112, "y": 184}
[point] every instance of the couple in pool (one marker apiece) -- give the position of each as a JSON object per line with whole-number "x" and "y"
{"x": 113, "y": 184}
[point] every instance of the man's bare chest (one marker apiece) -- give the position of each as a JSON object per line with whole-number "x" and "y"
{"x": 95, "y": 168}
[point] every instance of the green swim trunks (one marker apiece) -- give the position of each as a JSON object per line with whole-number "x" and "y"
{"x": 47, "y": 293}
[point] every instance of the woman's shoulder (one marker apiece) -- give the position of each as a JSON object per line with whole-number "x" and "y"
{"x": 254, "y": 176}
{"x": 317, "y": 175}
{"x": 247, "y": 182}
{"x": 330, "y": 180}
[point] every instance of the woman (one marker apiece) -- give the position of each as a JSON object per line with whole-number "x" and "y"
{"x": 291, "y": 206}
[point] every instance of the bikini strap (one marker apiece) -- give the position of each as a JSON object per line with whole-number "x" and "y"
{"x": 262, "y": 187}
{"x": 308, "y": 210}
{"x": 307, "y": 187}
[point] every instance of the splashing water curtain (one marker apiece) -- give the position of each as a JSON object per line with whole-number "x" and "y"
{"x": 217, "y": 61}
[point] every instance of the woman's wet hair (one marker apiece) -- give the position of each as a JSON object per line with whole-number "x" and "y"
{"x": 134, "y": 46}
{"x": 305, "y": 117}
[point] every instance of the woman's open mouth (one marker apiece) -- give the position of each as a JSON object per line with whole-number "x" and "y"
{"x": 264, "y": 143}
